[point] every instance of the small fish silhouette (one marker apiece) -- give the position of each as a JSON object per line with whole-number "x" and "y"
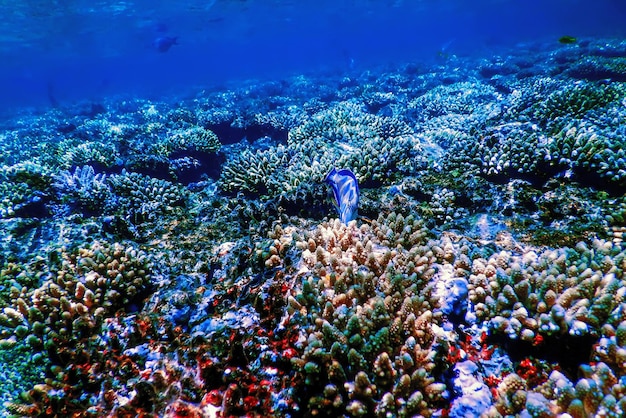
{"x": 567, "y": 40}
{"x": 164, "y": 43}
{"x": 346, "y": 191}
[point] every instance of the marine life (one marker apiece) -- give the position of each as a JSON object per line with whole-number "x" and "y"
{"x": 171, "y": 253}
{"x": 567, "y": 39}
{"x": 164, "y": 43}
{"x": 345, "y": 191}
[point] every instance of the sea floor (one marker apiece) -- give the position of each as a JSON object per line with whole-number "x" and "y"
{"x": 184, "y": 257}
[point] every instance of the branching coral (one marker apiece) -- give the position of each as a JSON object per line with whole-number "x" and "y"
{"x": 565, "y": 291}
{"x": 597, "y": 68}
{"x": 363, "y": 301}
{"x": 91, "y": 283}
{"x": 497, "y": 245}
{"x": 348, "y": 122}
{"x": 196, "y": 139}
{"x": 24, "y": 190}
{"x": 374, "y": 148}
{"x": 72, "y": 153}
{"x": 458, "y": 98}
{"x": 141, "y": 198}
{"x": 83, "y": 188}
{"x": 260, "y": 172}
{"x": 63, "y": 316}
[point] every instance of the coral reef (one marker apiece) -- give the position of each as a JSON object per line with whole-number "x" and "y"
{"x": 375, "y": 148}
{"x": 181, "y": 257}
{"x": 143, "y": 203}
{"x": 359, "y": 310}
{"x": 24, "y": 189}
{"x": 60, "y": 318}
{"x": 83, "y": 188}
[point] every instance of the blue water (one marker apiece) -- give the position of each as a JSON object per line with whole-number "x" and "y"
{"x": 67, "y": 50}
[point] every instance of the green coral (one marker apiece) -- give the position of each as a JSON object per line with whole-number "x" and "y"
{"x": 20, "y": 370}
{"x": 562, "y": 291}
{"x": 366, "y": 303}
{"x": 23, "y": 185}
{"x": 72, "y": 298}
{"x": 15, "y": 276}
{"x": 145, "y": 202}
{"x": 573, "y": 100}
{"x": 196, "y": 138}
{"x": 75, "y": 152}
{"x": 58, "y": 321}
{"x": 377, "y": 149}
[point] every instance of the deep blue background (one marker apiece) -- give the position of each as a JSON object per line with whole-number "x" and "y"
{"x": 72, "y": 51}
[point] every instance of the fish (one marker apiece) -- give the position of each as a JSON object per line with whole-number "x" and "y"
{"x": 164, "y": 43}
{"x": 346, "y": 192}
{"x": 567, "y": 39}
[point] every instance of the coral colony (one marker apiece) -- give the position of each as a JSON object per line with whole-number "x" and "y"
{"x": 154, "y": 264}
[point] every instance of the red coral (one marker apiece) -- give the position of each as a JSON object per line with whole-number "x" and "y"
{"x": 534, "y": 372}
{"x": 471, "y": 349}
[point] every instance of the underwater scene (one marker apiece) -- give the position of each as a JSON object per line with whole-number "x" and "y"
{"x": 313, "y": 208}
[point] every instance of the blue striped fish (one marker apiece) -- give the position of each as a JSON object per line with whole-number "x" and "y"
{"x": 346, "y": 190}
